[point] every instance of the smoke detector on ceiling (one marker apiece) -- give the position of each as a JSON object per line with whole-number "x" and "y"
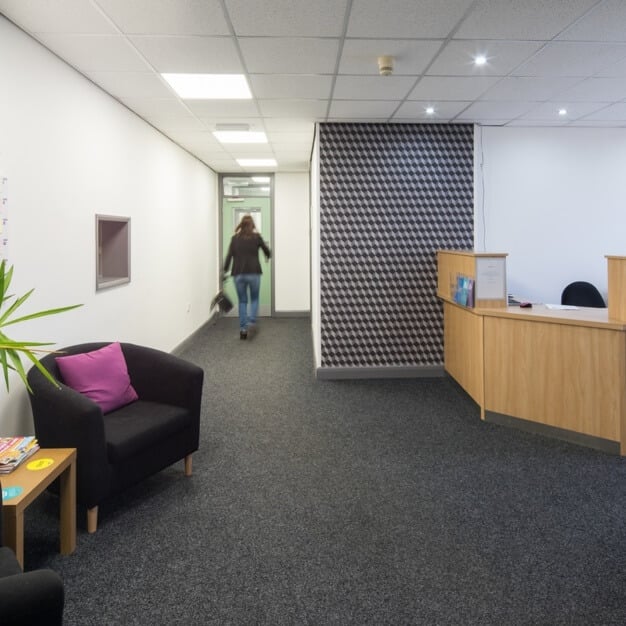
{"x": 385, "y": 65}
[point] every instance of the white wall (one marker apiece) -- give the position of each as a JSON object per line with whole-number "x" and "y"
{"x": 554, "y": 199}
{"x": 291, "y": 252}
{"x": 316, "y": 323}
{"x": 70, "y": 151}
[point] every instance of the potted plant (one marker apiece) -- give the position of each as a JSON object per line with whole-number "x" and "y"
{"x": 11, "y": 350}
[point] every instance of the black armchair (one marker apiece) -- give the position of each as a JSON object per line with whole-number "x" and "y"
{"x": 118, "y": 449}
{"x": 28, "y": 598}
{"x": 581, "y": 293}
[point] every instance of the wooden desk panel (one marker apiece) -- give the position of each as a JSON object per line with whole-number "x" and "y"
{"x": 570, "y": 376}
{"x": 463, "y": 349}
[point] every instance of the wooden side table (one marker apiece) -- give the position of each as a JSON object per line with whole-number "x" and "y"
{"x": 45, "y": 465}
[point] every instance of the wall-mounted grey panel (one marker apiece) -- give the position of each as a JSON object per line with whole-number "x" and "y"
{"x": 391, "y": 195}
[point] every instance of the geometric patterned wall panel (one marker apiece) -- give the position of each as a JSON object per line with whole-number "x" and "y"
{"x": 391, "y": 195}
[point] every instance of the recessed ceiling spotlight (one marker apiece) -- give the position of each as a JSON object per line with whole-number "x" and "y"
{"x": 430, "y": 110}
{"x": 480, "y": 59}
{"x": 562, "y": 112}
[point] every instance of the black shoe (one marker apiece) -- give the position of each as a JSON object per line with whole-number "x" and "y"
{"x": 252, "y": 331}
{"x": 243, "y": 334}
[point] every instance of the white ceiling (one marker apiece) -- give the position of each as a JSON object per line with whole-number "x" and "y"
{"x": 316, "y": 60}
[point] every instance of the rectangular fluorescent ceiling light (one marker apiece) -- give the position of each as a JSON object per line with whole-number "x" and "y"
{"x": 209, "y": 86}
{"x": 239, "y": 136}
{"x": 261, "y": 179}
{"x": 257, "y": 162}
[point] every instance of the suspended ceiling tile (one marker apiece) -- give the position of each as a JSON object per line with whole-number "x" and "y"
{"x": 290, "y": 138}
{"x": 530, "y": 19}
{"x": 70, "y": 16}
{"x": 605, "y": 22}
{"x": 177, "y": 122}
{"x": 555, "y": 123}
{"x": 167, "y": 17}
{"x": 600, "y": 123}
{"x": 190, "y": 54}
{"x": 405, "y": 18}
{"x": 223, "y": 165}
{"x": 595, "y": 90}
{"x": 371, "y": 109}
{"x": 417, "y": 110}
{"x": 153, "y": 107}
{"x": 613, "y": 112}
{"x": 550, "y": 111}
{"x": 372, "y": 87}
{"x": 449, "y": 88}
{"x": 485, "y": 122}
{"x": 223, "y": 108}
{"x": 290, "y": 125}
{"x": 253, "y": 123}
{"x": 457, "y": 58}
{"x": 294, "y": 164}
{"x": 102, "y": 53}
{"x": 360, "y": 56}
{"x": 528, "y": 88}
{"x": 202, "y": 140}
{"x": 495, "y": 110}
{"x": 287, "y": 18}
{"x": 303, "y": 109}
{"x": 286, "y": 86}
{"x": 571, "y": 59}
{"x": 131, "y": 84}
{"x": 289, "y": 55}
{"x": 286, "y": 154}
{"x": 615, "y": 70}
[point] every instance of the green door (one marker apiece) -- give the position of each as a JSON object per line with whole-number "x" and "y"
{"x": 242, "y": 196}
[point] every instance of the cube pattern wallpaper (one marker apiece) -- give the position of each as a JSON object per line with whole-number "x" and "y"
{"x": 391, "y": 195}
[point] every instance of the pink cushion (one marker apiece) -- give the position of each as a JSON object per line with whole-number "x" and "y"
{"x": 101, "y": 375}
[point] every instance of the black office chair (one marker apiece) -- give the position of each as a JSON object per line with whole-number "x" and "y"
{"x": 581, "y": 293}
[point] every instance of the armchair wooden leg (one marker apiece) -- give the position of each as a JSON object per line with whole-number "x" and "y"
{"x": 188, "y": 465}
{"x": 92, "y": 519}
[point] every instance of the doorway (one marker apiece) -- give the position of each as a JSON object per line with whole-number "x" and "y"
{"x": 249, "y": 195}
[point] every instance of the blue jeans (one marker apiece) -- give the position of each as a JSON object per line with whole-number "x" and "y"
{"x": 245, "y": 283}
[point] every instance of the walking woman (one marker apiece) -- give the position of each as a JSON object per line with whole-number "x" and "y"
{"x": 243, "y": 252}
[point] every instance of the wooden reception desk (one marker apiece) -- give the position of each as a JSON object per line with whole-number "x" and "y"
{"x": 557, "y": 372}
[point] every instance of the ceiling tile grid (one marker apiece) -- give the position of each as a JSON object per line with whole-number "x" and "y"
{"x": 308, "y": 62}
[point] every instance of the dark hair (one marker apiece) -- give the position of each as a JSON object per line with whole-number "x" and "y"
{"x": 246, "y": 227}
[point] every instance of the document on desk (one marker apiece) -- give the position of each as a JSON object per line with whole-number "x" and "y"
{"x": 562, "y": 307}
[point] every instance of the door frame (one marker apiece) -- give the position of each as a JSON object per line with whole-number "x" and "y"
{"x": 222, "y": 252}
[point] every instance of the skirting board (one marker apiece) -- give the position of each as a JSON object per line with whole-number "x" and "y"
{"x": 265, "y": 312}
{"x": 186, "y": 343}
{"x": 291, "y": 314}
{"x": 346, "y": 373}
{"x": 589, "y": 441}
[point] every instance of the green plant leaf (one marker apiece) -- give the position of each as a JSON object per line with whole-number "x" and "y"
{"x": 14, "y": 306}
{"x": 11, "y": 350}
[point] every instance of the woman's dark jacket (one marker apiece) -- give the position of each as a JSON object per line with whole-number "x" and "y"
{"x": 244, "y": 253}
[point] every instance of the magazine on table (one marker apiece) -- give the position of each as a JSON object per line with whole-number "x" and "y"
{"x": 15, "y": 450}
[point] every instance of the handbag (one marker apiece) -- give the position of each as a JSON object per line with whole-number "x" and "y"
{"x": 222, "y": 301}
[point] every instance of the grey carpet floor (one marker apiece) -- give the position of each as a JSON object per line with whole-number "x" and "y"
{"x": 348, "y": 502}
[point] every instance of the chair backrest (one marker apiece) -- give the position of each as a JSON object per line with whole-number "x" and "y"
{"x": 581, "y": 293}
